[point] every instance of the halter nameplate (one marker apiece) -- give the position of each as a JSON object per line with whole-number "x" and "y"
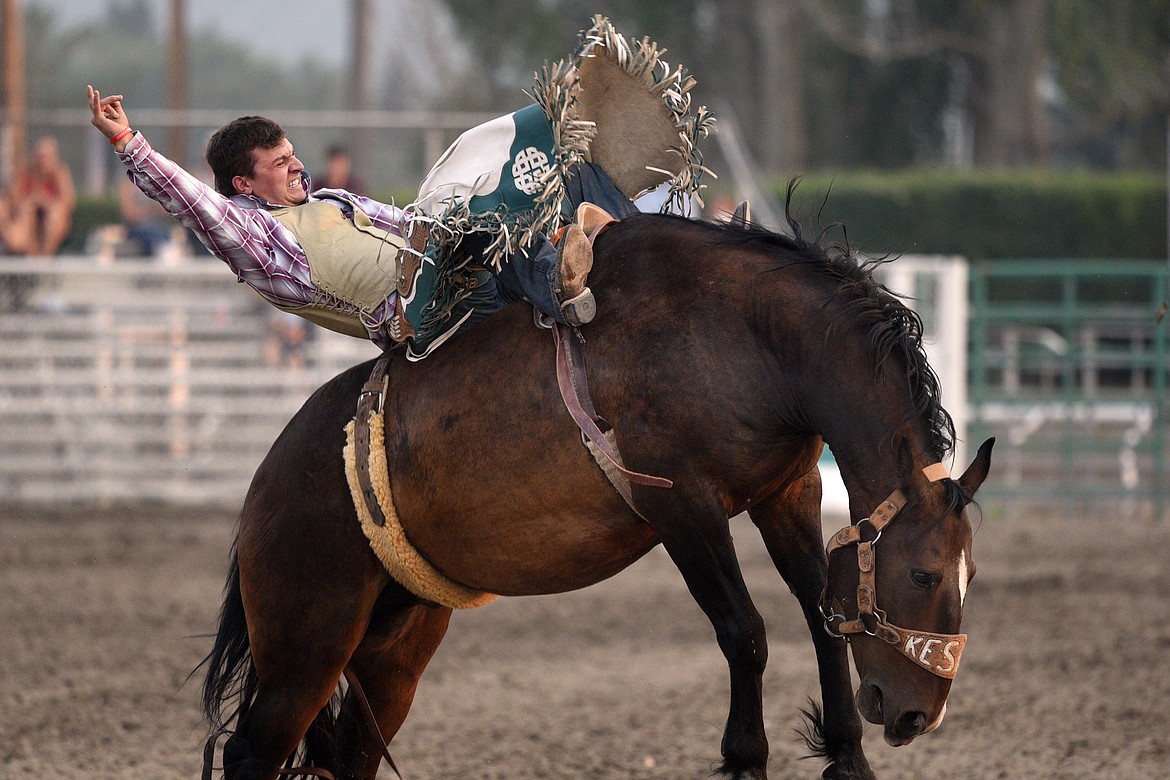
{"x": 936, "y": 653}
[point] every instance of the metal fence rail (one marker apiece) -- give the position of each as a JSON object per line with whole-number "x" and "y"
{"x": 1069, "y": 365}
{"x": 136, "y": 380}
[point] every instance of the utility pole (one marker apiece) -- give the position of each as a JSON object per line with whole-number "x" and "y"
{"x": 177, "y": 81}
{"x": 360, "y": 98}
{"x": 13, "y": 129}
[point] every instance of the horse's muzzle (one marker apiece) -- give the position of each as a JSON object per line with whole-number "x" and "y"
{"x": 901, "y": 728}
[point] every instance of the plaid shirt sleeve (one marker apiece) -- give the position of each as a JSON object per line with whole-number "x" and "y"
{"x": 383, "y": 215}
{"x": 258, "y": 249}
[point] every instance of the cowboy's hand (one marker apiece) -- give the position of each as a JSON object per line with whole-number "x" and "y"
{"x": 108, "y": 116}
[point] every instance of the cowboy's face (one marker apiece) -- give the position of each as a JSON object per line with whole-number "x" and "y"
{"x": 276, "y": 176}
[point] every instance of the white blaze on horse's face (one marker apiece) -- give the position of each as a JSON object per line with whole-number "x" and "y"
{"x": 962, "y": 577}
{"x": 937, "y": 721}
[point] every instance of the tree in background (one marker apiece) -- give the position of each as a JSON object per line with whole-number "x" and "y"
{"x": 1005, "y": 83}
{"x": 127, "y": 52}
{"x": 985, "y": 57}
{"x": 812, "y": 84}
{"x": 886, "y": 83}
{"x": 1112, "y": 63}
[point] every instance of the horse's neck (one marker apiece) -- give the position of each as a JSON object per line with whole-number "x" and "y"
{"x": 867, "y": 418}
{"x": 872, "y": 470}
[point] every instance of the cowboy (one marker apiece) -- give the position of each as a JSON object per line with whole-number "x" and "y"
{"x": 612, "y": 123}
{"x": 330, "y": 255}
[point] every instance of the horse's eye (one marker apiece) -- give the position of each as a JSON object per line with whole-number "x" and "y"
{"x": 924, "y": 579}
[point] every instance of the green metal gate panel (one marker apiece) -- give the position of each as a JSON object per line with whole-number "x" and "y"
{"x": 1068, "y": 367}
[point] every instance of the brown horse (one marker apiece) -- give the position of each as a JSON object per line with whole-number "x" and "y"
{"x": 724, "y": 357}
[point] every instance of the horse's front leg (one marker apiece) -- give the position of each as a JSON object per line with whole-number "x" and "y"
{"x": 790, "y": 523}
{"x": 694, "y": 531}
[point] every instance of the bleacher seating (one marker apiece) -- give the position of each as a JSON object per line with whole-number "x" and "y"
{"x": 134, "y": 380}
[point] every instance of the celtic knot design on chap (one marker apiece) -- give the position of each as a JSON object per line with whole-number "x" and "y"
{"x": 528, "y": 167}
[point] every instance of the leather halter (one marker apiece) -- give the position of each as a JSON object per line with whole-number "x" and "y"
{"x": 936, "y": 653}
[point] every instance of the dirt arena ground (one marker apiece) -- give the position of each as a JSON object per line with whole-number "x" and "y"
{"x": 1067, "y": 674}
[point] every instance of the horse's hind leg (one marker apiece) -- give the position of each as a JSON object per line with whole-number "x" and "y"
{"x": 388, "y": 664}
{"x": 790, "y": 523}
{"x": 297, "y": 675}
{"x": 304, "y": 623}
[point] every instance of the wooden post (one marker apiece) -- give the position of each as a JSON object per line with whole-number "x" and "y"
{"x": 361, "y": 28}
{"x": 13, "y": 129}
{"x": 177, "y": 81}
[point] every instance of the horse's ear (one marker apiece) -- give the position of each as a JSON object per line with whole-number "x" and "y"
{"x": 977, "y": 472}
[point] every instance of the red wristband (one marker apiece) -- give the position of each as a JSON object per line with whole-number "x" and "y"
{"x": 121, "y": 134}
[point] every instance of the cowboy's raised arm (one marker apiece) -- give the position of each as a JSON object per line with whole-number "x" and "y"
{"x": 109, "y": 117}
{"x": 259, "y": 250}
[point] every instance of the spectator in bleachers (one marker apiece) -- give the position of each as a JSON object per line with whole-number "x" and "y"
{"x": 7, "y": 227}
{"x": 148, "y": 225}
{"x": 37, "y": 210}
{"x": 288, "y": 337}
{"x": 338, "y": 173}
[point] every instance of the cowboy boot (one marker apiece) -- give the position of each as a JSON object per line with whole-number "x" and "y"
{"x": 592, "y": 218}
{"x": 576, "y": 260}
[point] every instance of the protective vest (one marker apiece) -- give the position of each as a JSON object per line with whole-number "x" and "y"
{"x": 353, "y": 264}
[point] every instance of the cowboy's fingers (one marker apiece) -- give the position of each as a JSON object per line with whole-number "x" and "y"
{"x": 112, "y": 106}
{"x": 99, "y": 106}
{"x": 97, "y": 116}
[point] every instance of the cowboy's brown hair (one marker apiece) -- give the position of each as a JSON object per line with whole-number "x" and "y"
{"x": 229, "y": 152}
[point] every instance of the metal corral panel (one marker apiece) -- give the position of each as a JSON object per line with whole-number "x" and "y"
{"x": 1069, "y": 369}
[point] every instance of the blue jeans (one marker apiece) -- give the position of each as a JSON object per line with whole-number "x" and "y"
{"x": 532, "y": 275}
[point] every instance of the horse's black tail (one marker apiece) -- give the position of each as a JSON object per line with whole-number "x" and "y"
{"x": 230, "y": 674}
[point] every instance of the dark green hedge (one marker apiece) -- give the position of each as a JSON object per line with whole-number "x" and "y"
{"x": 90, "y": 213}
{"x": 992, "y": 214}
{"x": 978, "y": 214}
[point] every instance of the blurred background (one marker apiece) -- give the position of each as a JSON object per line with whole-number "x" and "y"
{"x": 1011, "y": 153}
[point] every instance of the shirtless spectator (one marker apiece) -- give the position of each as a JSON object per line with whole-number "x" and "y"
{"x": 37, "y": 210}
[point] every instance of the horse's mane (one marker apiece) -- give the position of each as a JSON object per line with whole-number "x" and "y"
{"x": 892, "y": 328}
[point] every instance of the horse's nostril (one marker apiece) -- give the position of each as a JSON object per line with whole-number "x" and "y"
{"x": 910, "y": 724}
{"x": 869, "y": 703}
{"x": 877, "y": 699}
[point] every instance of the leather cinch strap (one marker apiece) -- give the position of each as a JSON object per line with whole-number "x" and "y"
{"x": 370, "y": 400}
{"x": 574, "y": 387}
{"x": 371, "y": 719}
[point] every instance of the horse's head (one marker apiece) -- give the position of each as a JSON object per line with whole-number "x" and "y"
{"x": 899, "y": 599}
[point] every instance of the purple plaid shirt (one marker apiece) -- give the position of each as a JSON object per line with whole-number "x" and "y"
{"x": 241, "y": 232}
